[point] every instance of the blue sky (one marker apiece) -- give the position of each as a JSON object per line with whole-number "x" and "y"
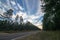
{"x": 30, "y": 10}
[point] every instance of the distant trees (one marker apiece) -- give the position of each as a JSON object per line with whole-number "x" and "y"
{"x": 30, "y": 26}
{"x": 16, "y": 19}
{"x": 21, "y": 20}
{"x": 8, "y": 25}
{"x": 51, "y": 19}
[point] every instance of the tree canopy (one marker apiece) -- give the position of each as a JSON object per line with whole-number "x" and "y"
{"x": 51, "y": 19}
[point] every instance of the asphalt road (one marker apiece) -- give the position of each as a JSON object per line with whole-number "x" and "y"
{"x": 15, "y": 35}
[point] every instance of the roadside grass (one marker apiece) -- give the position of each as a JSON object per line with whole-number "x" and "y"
{"x": 43, "y": 35}
{"x": 11, "y": 31}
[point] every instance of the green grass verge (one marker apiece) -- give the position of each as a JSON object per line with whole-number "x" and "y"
{"x": 44, "y": 35}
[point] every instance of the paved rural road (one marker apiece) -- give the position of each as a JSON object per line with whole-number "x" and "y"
{"x": 13, "y": 36}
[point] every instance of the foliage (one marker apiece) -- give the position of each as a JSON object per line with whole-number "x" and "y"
{"x": 51, "y": 19}
{"x": 7, "y": 26}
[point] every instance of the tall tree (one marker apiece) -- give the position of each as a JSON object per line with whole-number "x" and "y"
{"x": 51, "y": 20}
{"x": 21, "y": 20}
{"x": 16, "y": 19}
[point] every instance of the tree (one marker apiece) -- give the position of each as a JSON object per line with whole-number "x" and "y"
{"x": 51, "y": 20}
{"x": 16, "y": 19}
{"x": 5, "y": 25}
{"x": 8, "y": 14}
{"x": 21, "y": 20}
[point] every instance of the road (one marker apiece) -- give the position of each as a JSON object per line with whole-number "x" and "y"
{"x": 13, "y": 36}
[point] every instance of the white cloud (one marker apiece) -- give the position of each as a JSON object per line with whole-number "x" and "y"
{"x": 30, "y": 18}
{"x": 34, "y": 16}
{"x": 8, "y": 4}
{"x": 13, "y": 2}
{"x": 13, "y": 16}
{"x": 38, "y": 14}
{"x": 20, "y": 6}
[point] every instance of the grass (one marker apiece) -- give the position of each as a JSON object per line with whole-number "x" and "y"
{"x": 44, "y": 35}
{"x": 11, "y": 31}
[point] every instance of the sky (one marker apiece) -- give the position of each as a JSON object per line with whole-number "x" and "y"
{"x": 30, "y": 10}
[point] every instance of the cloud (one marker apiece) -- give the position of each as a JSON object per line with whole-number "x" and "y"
{"x": 13, "y": 3}
{"x": 16, "y": 5}
{"x": 33, "y": 18}
{"x": 13, "y": 16}
{"x": 8, "y": 4}
{"x": 20, "y": 7}
{"x": 26, "y": 17}
{"x": 31, "y": 6}
{"x": 39, "y": 14}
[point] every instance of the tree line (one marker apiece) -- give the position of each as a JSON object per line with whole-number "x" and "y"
{"x": 7, "y": 24}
